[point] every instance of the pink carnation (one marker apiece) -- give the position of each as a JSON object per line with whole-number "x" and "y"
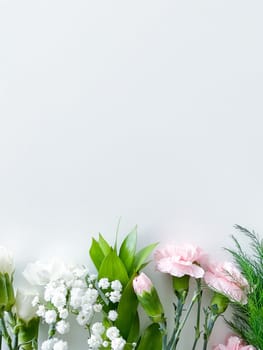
{"x": 179, "y": 260}
{"x": 234, "y": 343}
{"x": 141, "y": 284}
{"x": 226, "y": 279}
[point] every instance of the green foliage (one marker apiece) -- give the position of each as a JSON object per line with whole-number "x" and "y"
{"x": 127, "y": 311}
{"x": 123, "y": 265}
{"x": 128, "y": 249}
{"x": 104, "y": 257}
{"x": 151, "y": 338}
{"x": 141, "y": 256}
{"x": 247, "y": 320}
{"x": 113, "y": 268}
{"x": 96, "y": 253}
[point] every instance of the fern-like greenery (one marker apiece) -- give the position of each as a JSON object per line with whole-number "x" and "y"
{"x": 247, "y": 320}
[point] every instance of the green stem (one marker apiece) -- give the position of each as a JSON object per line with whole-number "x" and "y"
{"x": 5, "y": 333}
{"x": 163, "y": 328}
{"x": 0, "y": 340}
{"x": 181, "y": 297}
{"x": 210, "y": 320}
{"x": 51, "y": 331}
{"x": 199, "y": 302}
{"x": 181, "y": 325}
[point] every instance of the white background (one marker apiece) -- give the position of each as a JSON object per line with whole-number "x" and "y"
{"x": 147, "y": 110}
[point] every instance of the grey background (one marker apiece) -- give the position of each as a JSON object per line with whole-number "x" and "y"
{"x": 148, "y": 110}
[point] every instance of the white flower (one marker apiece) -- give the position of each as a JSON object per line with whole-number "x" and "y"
{"x": 58, "y": 300}
{"x": 112, "y": 333}
{"x": 48, "y": 344}
{"x": 6, "y": 261}
{"x": 60, "y": 345}
{"x": 35, "y": 301}
{"x": 78, "y": 284}
{"x": 112, "y": 315}
{"x": 92, "y": 277}
{"x": 63, "y": 313}
{"x": 105, "y": 344}
{"x": 115, "y": 296}
{"x": 104, "y": 283}
{"x": 116, "y": 285}
{"x": 62, "y": 327}
{"x": 83, "y": 318}
{"x": 40, "y": 273}
{"x": 90, "y": 296}
{"x": 97, "y": 307}
{"x": 87, "y": 310}
{"x": 97, "y": 328}
{"x": 50, "y": 316}
{"x": 41, "y": 311}
{"x": 118, "y": 343}
{"x": 80, "y": 271}
{"x": 95, "y": 342}
{"x": 76, "y": 295}
{"x": 24, "y": 309}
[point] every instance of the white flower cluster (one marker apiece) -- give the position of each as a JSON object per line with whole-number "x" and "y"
{"x": 100, "y": 337}
{"x": 54, "y": 344}
{"x": 75, "y": 291}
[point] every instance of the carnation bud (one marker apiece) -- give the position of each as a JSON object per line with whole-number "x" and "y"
{"x": 219, "y": 303}
{"x": 181, "y": 286}
{"x": 148, "y": 297}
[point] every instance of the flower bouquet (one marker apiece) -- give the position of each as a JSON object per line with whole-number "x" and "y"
{"x": 107, "y": 301}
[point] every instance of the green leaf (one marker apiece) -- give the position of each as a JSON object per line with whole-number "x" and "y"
{"x": 112, "y": 267}
{"x": 128, "y": 249}
{"x": 151, "y": 338}
{"x": 104, "y": 246}
{"x": 135, "y": 329}
{"x": 127, "y": 310}
{"x": 141, "y": 256}
{"x": 96, "y": 254}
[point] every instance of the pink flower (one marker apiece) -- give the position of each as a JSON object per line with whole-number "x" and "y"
{"x": 179, "y": 260}
{"x": 226, "y": 279}
{"x": 234, "y": 343}
{"x": 141, "y": 284}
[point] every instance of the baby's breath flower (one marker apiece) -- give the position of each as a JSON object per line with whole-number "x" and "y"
{"x": 97, "y": 307}
{"x": 58, "y": 300}
{"x": 60, "y": 345}
{"x": 50, "y": 316}
{"x": 62, "y": 327}
{"x": 47, "y": 344}
{"x": 115, "y": 296}
{"x": 118, "y": 343}
{"x": 63, "y": 313}
{"x": 104, "y": 283}
{"x": 112, "y": 333}
{"x": 94, "y": 342}
{"x": 41, "y": 311}
{"x": 97, "y": 328}
{"x": 83, "y": 318}
{"x": 112, "y": 315}
{"x": 116, "y": 285}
